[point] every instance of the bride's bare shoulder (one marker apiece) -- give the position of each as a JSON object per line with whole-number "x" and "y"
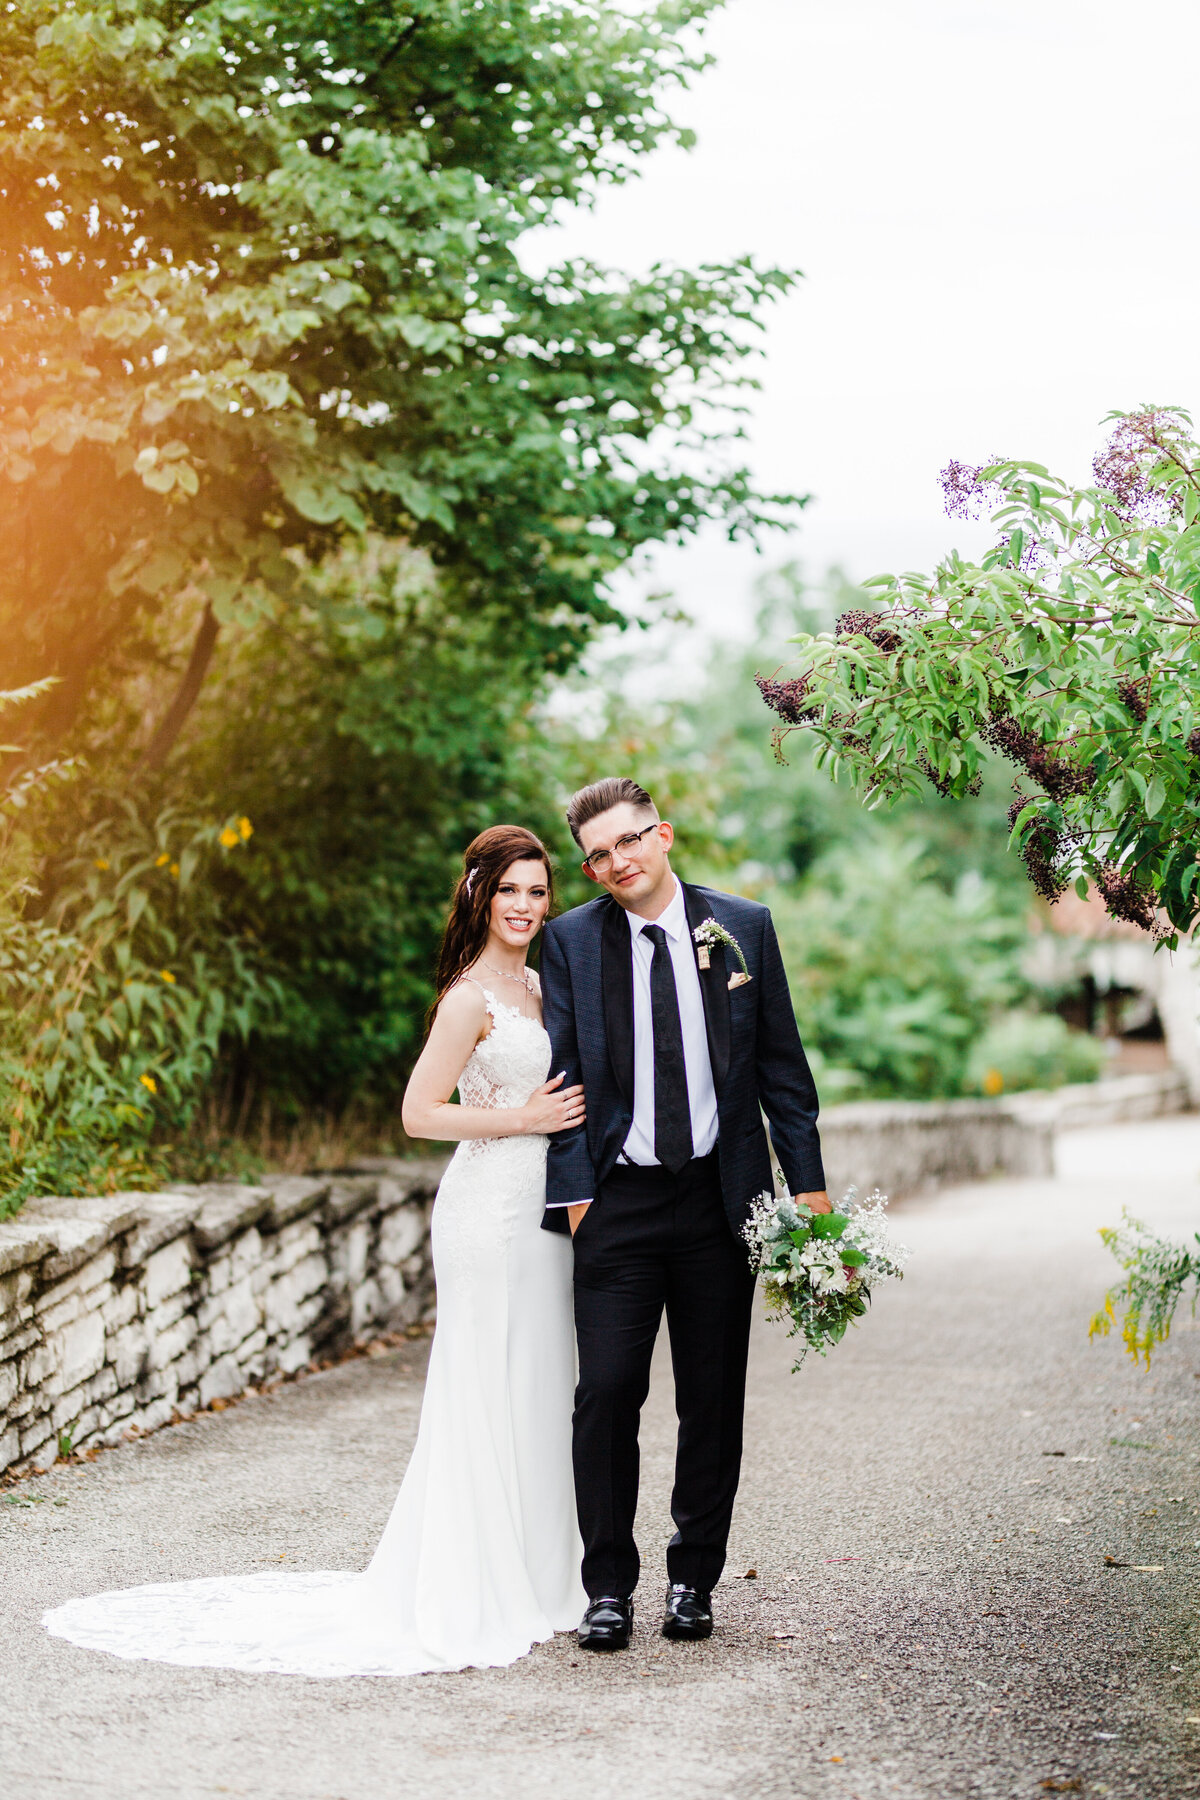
{"x": 464, "y": 1004}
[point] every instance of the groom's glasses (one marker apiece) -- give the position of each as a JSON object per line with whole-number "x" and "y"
{"x": 600, "y": 861}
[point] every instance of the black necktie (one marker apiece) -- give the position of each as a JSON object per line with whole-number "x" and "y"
{"x": 672, "y": 1113}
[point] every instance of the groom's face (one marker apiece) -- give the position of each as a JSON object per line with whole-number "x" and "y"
{"x": 635, "y": 872}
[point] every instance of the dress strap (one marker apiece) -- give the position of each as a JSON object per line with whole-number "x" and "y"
{"x": 489, "y": 999}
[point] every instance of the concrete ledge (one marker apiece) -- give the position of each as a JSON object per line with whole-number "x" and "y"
{"x": 1112, "y": 1102}
{"x": 902, "y": 1146}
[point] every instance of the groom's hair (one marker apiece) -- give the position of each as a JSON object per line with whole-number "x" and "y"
{"x": 601, "y": 797}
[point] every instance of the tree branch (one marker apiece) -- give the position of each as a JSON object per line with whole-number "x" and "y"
{"x": 163, "y": 741}
{"x": 398, "y": 45}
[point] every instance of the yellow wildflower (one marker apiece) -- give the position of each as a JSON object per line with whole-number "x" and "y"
{"x": 245, "y": 827}
{"x": 166, "y": 975}
{"x": 229, "y": 837}
{"x": 102, "y": 862}
{"x": 993, "y": 1082}
{"x": 160, "y": 861}
{"x": 148, "y": 1081}
{"x": 174, "y": 870}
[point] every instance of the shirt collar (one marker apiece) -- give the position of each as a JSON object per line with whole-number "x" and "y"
{"x": 673, "y": 918}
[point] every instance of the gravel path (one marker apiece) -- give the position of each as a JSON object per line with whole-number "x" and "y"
{"x": 928, "y": 1513}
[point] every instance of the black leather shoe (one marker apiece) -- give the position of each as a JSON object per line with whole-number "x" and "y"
{"x": 607, "y": 1624}
{"x": 689, "y": 1613}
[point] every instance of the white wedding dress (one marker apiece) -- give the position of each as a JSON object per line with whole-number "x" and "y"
{"x": 480, "y": 1558}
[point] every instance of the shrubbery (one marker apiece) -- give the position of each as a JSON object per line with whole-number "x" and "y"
{"x": 1031, "y": 1050}
{"x": 119, "y": 983}
{"x": 895, "y": 975}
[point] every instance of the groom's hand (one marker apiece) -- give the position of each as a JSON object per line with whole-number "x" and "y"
{"x": 815, "y": 1202}
{"x": 575, "y": 1214}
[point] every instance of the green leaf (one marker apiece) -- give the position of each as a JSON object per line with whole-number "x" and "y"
{"x": 829, "y": 1225}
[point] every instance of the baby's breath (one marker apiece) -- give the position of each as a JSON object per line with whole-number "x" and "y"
{"x": 818, "y": 1269}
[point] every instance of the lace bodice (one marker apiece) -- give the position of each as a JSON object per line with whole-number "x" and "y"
{"x": 500, "y": 1178}
{"x": 509, "y": 1063}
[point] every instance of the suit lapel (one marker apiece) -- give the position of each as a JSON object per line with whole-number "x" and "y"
{"x": 714, "y": 988}
{"x": 616, "y": 983}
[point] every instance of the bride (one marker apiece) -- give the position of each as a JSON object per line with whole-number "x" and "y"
{"x": 480, "y": 1558}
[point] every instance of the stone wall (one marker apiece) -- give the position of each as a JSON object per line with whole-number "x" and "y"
{"x": 902, "y": 1146}
{"x": 121, "y": 1311}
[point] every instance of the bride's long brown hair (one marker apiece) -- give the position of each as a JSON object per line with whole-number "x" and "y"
{"x": 485, "y": 861}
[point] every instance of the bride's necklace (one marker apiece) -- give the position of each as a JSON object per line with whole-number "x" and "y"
{"x": 523, "y": 978}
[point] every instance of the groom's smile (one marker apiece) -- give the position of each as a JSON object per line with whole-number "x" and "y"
{"x": 627, "y": 854}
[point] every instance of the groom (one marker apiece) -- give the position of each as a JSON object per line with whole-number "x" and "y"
{"x": 677, "y": 1053}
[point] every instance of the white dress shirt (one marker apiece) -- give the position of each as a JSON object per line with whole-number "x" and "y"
{"x": 702, "y": 1096}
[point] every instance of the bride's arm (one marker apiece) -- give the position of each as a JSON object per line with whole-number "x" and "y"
{"x": 428, "y": 1111}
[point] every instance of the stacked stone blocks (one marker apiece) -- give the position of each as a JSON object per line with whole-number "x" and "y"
{"x": 119, "y": 1311}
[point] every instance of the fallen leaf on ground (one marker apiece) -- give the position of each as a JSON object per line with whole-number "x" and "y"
{"x": 1054, "y": 1453}
{"x": 788, "y": 1635}
{"x": 1110, "y": 1562}
{"x": 1072, "y": 1784}
{"x": 750, "y": 1575}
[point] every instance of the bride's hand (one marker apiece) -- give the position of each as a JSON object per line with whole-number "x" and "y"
{"x": 550, "y": 1108}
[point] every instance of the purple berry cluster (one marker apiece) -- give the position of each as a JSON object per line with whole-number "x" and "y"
{"x": 1058, "y": 776}
{"x": 787, "y": 698}
{"x": 1123, "y": 465}
{"x": 1126, "y": 898}
{"x": 965, "y": 494}
{"x": 878, "y": 629}
{"x": 1043, "y": 851}
{"x": 1135, "y": 696}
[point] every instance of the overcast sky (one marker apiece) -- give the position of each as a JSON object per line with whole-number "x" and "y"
{"x": 995, "y": 211}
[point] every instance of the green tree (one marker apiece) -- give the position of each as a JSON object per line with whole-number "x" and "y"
{"x": 261, "y": 292}
{"x": 1071, "y": 649}
{"x": 373, "y": 736}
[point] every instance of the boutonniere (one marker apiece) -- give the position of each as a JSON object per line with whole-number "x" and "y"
{"x": 707, "y": 934}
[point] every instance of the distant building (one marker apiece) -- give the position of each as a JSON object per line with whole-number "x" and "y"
{"x": 1146, "y": 1000}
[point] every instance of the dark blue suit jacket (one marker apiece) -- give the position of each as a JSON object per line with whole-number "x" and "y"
{"x": 758, "y": 1061}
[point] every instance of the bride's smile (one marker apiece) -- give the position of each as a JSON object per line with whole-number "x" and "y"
{"x": 517, "y": 913}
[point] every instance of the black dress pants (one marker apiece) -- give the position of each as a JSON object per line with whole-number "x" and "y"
{"x": 652, "y": 1240}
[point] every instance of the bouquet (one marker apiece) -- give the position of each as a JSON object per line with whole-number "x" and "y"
{"x": 818, "y": 1268}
